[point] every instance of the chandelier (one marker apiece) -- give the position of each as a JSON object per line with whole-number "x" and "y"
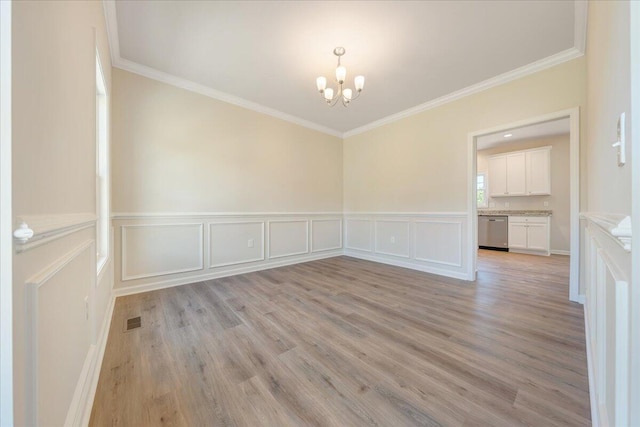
{"x": 342, "y": 93}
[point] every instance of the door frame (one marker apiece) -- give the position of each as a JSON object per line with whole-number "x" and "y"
{"x": 6, "y": 238}
{"x": 634, "y": 43}
{"x": 573, "y": 114}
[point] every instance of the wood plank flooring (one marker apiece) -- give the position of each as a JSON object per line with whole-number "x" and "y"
{"x": 346, "y": 342}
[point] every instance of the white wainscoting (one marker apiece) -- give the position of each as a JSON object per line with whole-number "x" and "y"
{"x": 431, "y": 242}
{"x": 150, "y": 250}
{"x": 607, "y": 317}
{"x": 160, "y": 250}
{"x": 359, "y": 234}
{"x": 326, "y": 234}
{"x": 61, "y": 348}
{"x": 288, "y": 237}
{"x": 235, "y": 242}
{"x": 392, "y": 237}
{"x": 439, "y": 241}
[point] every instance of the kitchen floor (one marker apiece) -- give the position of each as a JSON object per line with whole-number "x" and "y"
{"x": 532, "y": 273}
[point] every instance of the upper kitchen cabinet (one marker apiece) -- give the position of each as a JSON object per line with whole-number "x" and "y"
{"x": 520, "y": 173}
{"x": 539, "y": 172}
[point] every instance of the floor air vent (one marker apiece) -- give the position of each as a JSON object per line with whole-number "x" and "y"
{"x": 133, "y": 323}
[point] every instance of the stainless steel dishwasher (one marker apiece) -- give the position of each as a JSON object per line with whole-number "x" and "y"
{"x": 493, "y": 232}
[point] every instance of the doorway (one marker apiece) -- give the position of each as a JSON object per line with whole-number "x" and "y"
{"x": 571, "y": 118}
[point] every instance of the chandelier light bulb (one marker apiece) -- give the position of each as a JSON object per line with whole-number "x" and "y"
{"x": 347, "y": 94}
{"x": 328, "y": 94}
{"x": 341, "y": 74}
{"x": 321, "y": 82}
{"x": 359, "y": 83}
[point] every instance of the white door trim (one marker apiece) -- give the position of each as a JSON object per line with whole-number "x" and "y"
{"x": 6, "y": 240}
{"x": 573, "y": 114}
{"x": 634, "y": 345}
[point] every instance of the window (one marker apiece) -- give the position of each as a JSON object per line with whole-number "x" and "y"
{"x": 102, "y": 168}
{"x": 482, "y": 195}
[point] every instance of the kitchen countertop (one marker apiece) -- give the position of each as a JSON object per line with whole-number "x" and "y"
{"x": 513, "y": 212}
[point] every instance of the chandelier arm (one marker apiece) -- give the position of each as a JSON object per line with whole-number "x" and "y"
{"x": 358, "y": 92}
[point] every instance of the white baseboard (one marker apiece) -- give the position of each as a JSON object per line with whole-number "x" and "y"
{"x": 405, "y": 264}
{"x": 94, "y": 374}
{"x": 81, "y": 393}
{"x": 560, "y": 252}
{"x": 168, "y": 283}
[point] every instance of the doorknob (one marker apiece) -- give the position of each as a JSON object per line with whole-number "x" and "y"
{"x": 23, "y": 233}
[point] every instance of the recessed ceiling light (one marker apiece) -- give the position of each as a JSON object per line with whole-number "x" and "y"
{"x": 508, "y": 135}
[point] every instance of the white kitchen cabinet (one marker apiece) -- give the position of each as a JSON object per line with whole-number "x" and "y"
{"x": 538, "y": 171}
{"x": 520, "y": 173}
{"x": 497, "y": 176}
{"x": 516, "y": 175}
{"x": 517, "y": 235}
{"x": 529, "y": 235}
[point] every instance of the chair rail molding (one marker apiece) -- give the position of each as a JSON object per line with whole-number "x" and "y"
{"x": 35, "y": 230}
{"x": 617, "y": 226}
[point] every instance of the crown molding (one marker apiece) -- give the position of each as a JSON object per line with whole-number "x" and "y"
{"x": 580, "y": 31}
{"x": 580, "y": 25}
{"x": 111, "y": 22}
{"x": 152, "y": 73}
{"x": 534, "y": 67}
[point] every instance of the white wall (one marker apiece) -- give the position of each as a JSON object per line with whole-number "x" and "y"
{"x": 558, "y": 201}
{"x": 178, "y": 151}
{"x": 204, "y": 189}
{"x": 60, "y": 306}
{"x": 608, "y": 94}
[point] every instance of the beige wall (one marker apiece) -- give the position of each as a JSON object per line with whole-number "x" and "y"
{"x": 419, "y": 164}
{"x": 559, "y": 201}
{"x": 178, "y": 151}
{"x": 608, "y": 93}
{"x": 54, "y": 48}
{"x": 610, "y": 192}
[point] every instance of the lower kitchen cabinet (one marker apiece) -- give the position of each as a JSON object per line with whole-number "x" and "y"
{"x": 529, "y": 235}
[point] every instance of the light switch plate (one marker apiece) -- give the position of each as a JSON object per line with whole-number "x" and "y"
{"x": 621, "y": 142}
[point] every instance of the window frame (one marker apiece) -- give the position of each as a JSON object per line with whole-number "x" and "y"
{"x": 485, "y": 188}
{"x": 103, "y": 178}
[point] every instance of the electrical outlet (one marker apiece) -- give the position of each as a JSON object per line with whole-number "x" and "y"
{"x": 546, "y": 204}
{"x": 506, "y": 204}
{"x": 393, "y": 239}
{"x": 250, "y": 243}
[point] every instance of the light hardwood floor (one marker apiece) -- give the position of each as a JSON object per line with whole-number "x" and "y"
{"x": 346, "y": 342}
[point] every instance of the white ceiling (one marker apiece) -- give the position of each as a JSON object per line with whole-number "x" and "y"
{"x": 266, "y": 55}
{"x": 539, "y": 130}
